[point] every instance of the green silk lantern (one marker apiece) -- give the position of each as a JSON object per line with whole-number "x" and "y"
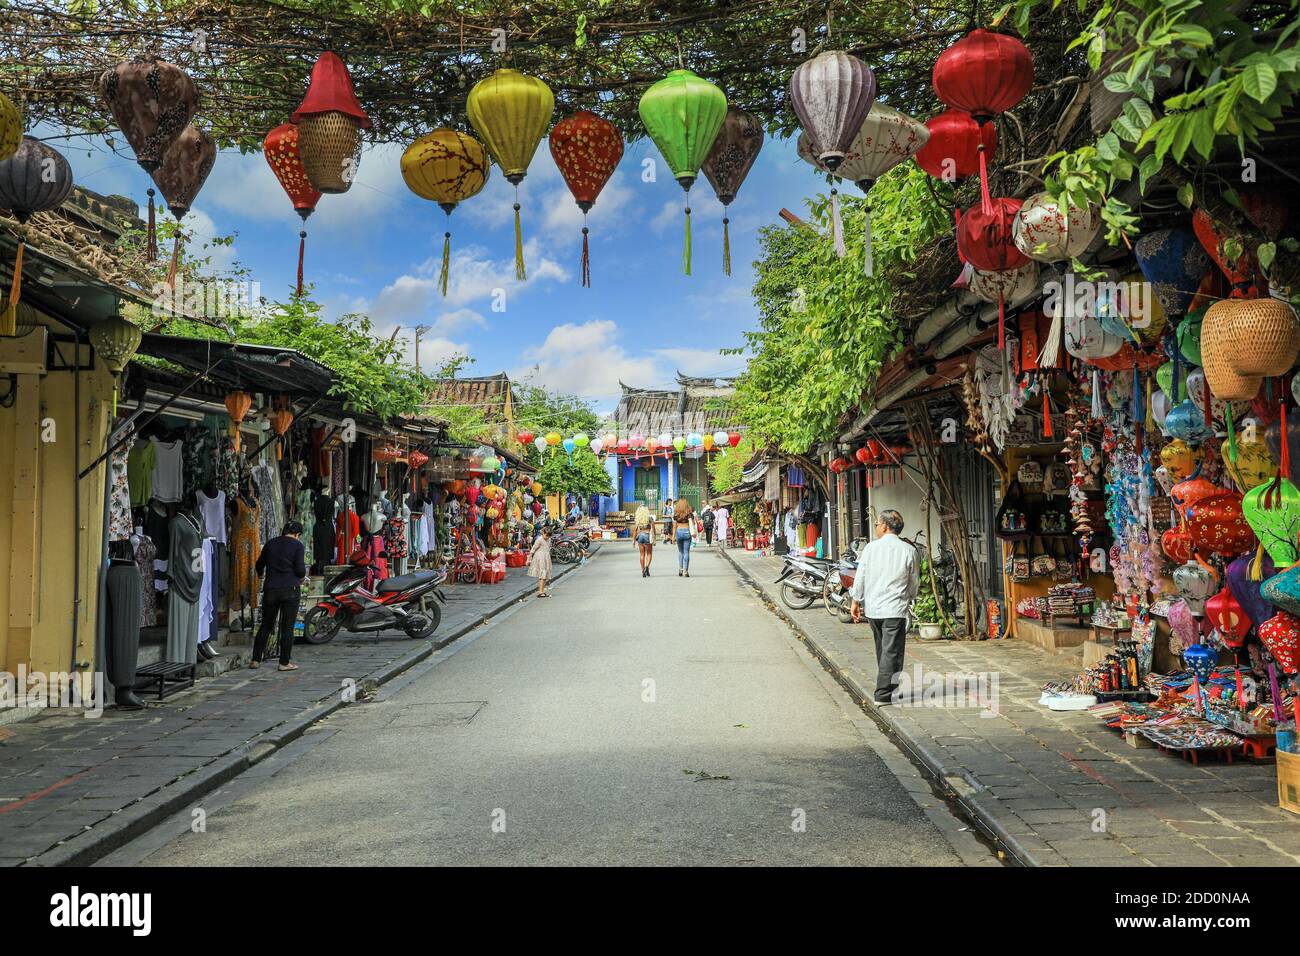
{"x": 1165, "y": 379}
{"x": 512, "y": 112}
{"x": 1273, "y": 512}
{"x": 115, "y": 340}
{"x": 1189, "y": 337}
{"x": 683, "y": 113}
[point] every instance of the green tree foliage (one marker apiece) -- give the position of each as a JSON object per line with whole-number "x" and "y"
{"x": 582, "y": 475}
{"x": 725, "y": 468}
{"x": 825, "y": 328}
{"x": 541, "y": 410}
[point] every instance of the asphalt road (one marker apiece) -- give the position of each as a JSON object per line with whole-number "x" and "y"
{"x": 622, "y": 721}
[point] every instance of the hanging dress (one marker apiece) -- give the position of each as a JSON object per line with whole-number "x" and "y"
{"x": 144, "y": 555}
{"x": 186, "y": 572}
{"x": 342, "y": 538}
{"x": 245, "y": 546}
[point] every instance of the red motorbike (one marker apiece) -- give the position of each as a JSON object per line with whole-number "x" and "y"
{"x": 400, "y": 602}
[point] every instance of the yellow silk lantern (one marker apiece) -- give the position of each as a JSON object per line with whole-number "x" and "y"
{"x": 708, "y": 442}
{"x": 512, "y": 112}
{"x": 1145, "y": 314}
{"x": 537, "y": 488}
{"x": 446, "y": 167}
{"x": 1180, "y": 459}
{"x": 11, "y": 128}
{"x": 553, "y": 439}
{"x": 1254, "y": 464}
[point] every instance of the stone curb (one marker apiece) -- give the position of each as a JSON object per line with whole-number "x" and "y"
{"x": 139, "y": 818}
{"x": 974, "y": 805}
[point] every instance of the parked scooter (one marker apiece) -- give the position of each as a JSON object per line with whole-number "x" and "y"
{"x": 802, "y": 580}
{"x": 400, "y": 602}
{"x": 838, "y": 584}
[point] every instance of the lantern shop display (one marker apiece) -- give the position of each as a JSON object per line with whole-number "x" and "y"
{"x": 36, "y": 178}
{"x": 682, "y": 114}
{"x": 586, "y": 149}
{"x": 446, "y": 167}
{"x": 511, "y": 111}
{"x": 281, "y": 151}
{"x": 330, "y": 120}
{"x": 728, "y": 163}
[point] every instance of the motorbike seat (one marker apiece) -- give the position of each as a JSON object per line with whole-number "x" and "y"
{"x": 403, "y": 581}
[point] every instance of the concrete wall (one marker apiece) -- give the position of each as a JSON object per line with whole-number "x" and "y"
{"x": 905, "y": 498}
{"x": 39, "y": 461}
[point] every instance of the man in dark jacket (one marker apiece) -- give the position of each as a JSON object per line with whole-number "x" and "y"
{"x": 283, "y": 564}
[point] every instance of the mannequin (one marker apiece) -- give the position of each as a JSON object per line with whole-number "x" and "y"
{"x": 322, "y": 532}
{"x": 374, "y": 519}
{"x": 125, "y": 594}
{"x": 185, "y": 570}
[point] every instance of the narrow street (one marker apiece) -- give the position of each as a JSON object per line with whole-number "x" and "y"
{"x": 623, "y": 721}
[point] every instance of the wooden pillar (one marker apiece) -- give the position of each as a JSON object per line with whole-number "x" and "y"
{"x": 24, "y": 520}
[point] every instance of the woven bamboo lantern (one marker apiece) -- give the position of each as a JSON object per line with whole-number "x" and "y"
{"x": 729, "y": 161}
{"x": 446, "y": 167}
{"x": 683, "y": 114}
{"x": 330, "y": 120}
{"x": 36, "y": 178}
{"x": 152, "y": 101}
{"x": 1252, "y": 337}
{"x": 586, "y": 148}
{"x": 11, "y": 128}
{"x": 511, "y": 111}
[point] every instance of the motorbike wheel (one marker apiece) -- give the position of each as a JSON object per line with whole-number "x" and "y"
{"x": 318, "y": 626}
{"x": 833, "y": 595}
{"x": 798, "y": 593}
{"x": 423, "y": 623}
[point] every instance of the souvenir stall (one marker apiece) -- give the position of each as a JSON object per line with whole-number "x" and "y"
{"x": 483, "y": 511}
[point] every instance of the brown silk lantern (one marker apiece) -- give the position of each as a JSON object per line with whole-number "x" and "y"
{"x": 182, "y": 173}
{"x": 729, "y": 162}
{"x": 152, "y": 101}
{"x": 329, "y": 121}
{"x": 281, "y": 151}
{"x": 237, "y": 406}
{"x": 586, "y": 148}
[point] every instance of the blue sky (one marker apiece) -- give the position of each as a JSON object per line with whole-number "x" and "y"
{"x": 377, "y": 249}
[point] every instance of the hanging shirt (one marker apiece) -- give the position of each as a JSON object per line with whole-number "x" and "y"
{"x": 139, "y": 471}
{"x": 887, "y": 579}
{"x": 212, "y": 512}
{"x": 168, "y": 476}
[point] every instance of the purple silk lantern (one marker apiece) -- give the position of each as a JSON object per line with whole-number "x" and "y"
{"x": 1183, "y": 623}
{"x": 1246, "y": 591}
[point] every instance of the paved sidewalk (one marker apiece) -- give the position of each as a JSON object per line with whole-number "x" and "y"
{"x": 73, "y": 788}
{"x": 1054, "y": 788}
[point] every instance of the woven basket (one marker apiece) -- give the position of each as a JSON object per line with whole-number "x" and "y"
{"x": 1265, "y": 334}
{"x": 330, "y": 147}
{"x": 1225, "y": 384}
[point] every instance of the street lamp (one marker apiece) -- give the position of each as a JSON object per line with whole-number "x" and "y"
{"x": 419, "y": 331}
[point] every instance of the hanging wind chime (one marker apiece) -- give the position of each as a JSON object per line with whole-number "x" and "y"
{"x": 586, "y": 148}
{"x": 329, "y": 121}
{"x": 832, "y": 95}
{"x": 182, "y": 173}
{"x": 728, "y": 163}
{"x": 152, "y": 102}
{"x": 36, "y": 178}
{"x": 683, "y": 113}
{"x": 281, "y": 151}
{"x": 511, "y": 111}
{"x": 446, "y": 167}
{"x": 984, "y": 74}
{"x": 886, "y": 139}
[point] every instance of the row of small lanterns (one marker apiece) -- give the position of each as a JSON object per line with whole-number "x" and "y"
{"x": 636, "y": 444}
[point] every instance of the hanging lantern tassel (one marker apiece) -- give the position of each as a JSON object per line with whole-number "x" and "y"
{"x": 1205, "y": 394}
{"x": 520, "y": 274}
{"x": 986, "y": 201}
{"x": 726, "y": 245}
{"x": 1175, "y": 375}
{"x": 1002, "y": 320}
{"x": 302, "y": 249}
{"x": 1096, "y": 394}
{"x": 868, "y": 266}
{"x": 1285, "y": 462}
{"x": 176, "y": 259}
{"x": 151, "y": 251}
{"x": 686, "y": 248}
{"x": 1232, "y": 436}
{"x": 837, "y": 225}
{"x": 1151, "y": 422}
{"x": 586, "y": 255}
{"x": 9, "y": 318}
{"x": 1047, "y": 409}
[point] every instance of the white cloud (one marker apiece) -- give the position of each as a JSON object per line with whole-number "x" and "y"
{"x": 586, "y": 359}
{"x": 202, "y": 231}
{"x": 702, "y": 362}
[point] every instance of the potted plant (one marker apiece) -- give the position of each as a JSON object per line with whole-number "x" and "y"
{"x": 925, "y": 609}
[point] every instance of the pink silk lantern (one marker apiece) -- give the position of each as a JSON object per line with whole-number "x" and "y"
{"x": 1229, "y": 617}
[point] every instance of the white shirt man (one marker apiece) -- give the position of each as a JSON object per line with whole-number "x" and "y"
{"x": 887, "y": 580}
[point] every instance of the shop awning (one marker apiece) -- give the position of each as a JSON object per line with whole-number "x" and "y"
{"x": 239, "y": 365}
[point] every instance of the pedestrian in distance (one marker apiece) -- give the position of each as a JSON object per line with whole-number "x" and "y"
{"x": 707, "y": 518}
{"x": 539, "y": 560}
{"x": 683, "y": 520}
{"x": 643, "y": 527}
{"x": 668, "y": 520}
{"x": 283, "y": 564}
{"x": 887, "y": 580}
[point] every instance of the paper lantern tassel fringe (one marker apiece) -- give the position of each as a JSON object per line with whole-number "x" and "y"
{"x": 151, "y": 250}
{"x": 726, "y": 245}
{"x": 986, "y": 200}
{"x": 868, "y": 265}
{"x": 176, "y": 259}
{"x": 686, "y": 246}
{"x": 446, "y": 262}
{"x": 302, "y": 250}
{"x": 9, "y": 319}
{"x": 520, "y": 273}
{"x": 586, "y": 256}
{"x": 837, "y": 225}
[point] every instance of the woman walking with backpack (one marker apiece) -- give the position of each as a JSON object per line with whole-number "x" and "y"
{"x": 683, "y": 522}
{"x": 707, "y": 517}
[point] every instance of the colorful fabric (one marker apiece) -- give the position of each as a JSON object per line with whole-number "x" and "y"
{"x": 119, "y": 503}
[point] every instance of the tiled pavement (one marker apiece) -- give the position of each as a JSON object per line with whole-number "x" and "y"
{"x": 1055, "y": 788}
{"x": 73, "y": 788}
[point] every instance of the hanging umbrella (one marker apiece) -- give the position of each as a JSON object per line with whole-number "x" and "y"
{"x": 446, "y": 167}
{"x": 281, "y": 151}
{"x": 586, "y": 148}
{"x": 36, "y": 178}
{"x": 683, "y": 114}
{"x": 729, "y": 162}
{"x": 511, "y": 111}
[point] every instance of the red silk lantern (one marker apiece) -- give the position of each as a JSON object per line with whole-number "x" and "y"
{"x": 733, "y": 439}
{"x": 1177, "y": 545}
{"x": 985, "y": 74}
{"x": 1186, "y": 494}
{"x": 586, "y": 148}
{"x": 281, "y": 151}
{"x": 1218, "y": 525}
{"x": 417, "y": 459}
{"x": 863, "y": 455}
{"x": 985, "y": 240}
{"x": 1281, "y": 635}
{"x": 953, "y": 150}
{"x": 1227, "y": 614}
{"x": 525, "y": 437}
